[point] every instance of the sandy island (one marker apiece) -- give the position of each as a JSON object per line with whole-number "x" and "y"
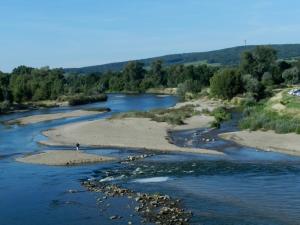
{"x": 136, "y": 133}
{"x": 266, "y": 140}
{"x": 63, "y": 158}
{"x": 53, "y": 116}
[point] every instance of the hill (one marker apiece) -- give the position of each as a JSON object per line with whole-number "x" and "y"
{"x": 228, "y": 56}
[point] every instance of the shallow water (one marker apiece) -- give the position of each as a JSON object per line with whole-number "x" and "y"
{"x": 245, "y": 186}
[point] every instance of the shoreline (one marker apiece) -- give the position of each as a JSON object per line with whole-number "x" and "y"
{"x": 63, "y": 158}
{"x": 52, "y": 116}
{"x": 266, "y": 141}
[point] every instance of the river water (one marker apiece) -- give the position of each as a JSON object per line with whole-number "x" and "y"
{"x": 245, "y": 186}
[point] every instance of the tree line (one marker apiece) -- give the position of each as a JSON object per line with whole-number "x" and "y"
{"x": 258, "y": 72}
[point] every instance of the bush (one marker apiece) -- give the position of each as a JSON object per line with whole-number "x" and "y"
{"x": 5, "y": 106}
{"x": 221, "y": 114}
{"x": 226, "y": 83}
{"x": 189, "y": 86}
{"x": 174, "y": 116}
{"x": 81, "y": 99}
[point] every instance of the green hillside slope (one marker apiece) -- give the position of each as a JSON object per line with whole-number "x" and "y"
{"x": 228, "y": 56}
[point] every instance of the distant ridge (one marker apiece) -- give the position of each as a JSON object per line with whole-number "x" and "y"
{"x": 227, "y": 56}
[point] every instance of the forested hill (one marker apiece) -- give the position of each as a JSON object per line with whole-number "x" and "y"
{"x": 228, "y": 56}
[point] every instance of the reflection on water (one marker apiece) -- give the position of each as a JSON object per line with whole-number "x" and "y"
{"x": 245, "y": 186}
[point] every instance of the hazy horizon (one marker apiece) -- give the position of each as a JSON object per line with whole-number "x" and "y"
{"x": 83, "y": 33}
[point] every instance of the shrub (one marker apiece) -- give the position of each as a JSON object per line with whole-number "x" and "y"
{"x": 226, "y": 83}
{"x": 81, "y": 99}
{"x": 221, "y": 114}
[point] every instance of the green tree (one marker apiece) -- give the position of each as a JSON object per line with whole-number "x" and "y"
{"x": 291, "y": 76}
{"x": 133, "y": 74}
{"x": 226, "y": 83}
{"x": 262, "y": 59}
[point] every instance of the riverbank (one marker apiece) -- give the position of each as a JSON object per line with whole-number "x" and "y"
{"x": 54, "y": 116}
{"x": 63, "y": 158}
{"x": 266, "y": 140}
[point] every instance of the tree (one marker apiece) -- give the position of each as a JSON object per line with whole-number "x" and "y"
{"x": 188, "y": 86}
{"x": 4, "y": 87}
{"x": 133, "y": 74}
{"x": 262, "y": 59}
{"x": 226, "y": 83}
{"x": 291, "y": 76}
{"x": 22, "y": 70}
{"x": 267, "y": 79}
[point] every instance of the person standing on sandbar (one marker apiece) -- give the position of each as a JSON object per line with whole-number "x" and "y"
{"x": 77, "y": 146}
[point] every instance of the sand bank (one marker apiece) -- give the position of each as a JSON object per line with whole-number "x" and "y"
{"x": 268, "y": 140}
{"x": 63, "y": 158}
{"x": 53, "y": 116}
{"x": 137, "y": 133}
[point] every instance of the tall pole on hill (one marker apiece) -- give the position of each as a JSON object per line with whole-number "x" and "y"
{"x": 245, "y": 42}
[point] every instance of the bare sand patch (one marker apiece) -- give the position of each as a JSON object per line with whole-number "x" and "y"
{"x": 267, "y": 140}
{"x": 53, "y": 116}
{"x": 136, "y": 133}
{"x": 63, "y": 158}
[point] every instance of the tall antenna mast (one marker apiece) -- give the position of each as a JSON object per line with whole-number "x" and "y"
{"x": 245, "y": 42}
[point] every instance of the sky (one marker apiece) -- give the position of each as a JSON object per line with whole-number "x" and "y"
{"x": 75, "y": 33}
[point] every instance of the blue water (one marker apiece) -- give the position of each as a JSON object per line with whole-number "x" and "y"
{"x": 245, "y": 186}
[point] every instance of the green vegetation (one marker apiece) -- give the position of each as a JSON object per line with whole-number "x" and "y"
{"x": 221, "y": 114}
{"x": 83, "y": 99}
{"x": 292, "y": 103}
{"x": 30, "y": 86}
{"x": 174, "y": 116}
{"x": 101, "y": 109}
{"x": 258, "y": 117}
{"x": 226, "y": 84}
{"x": 253, "y": 80}
{"x": 225, "y": 57}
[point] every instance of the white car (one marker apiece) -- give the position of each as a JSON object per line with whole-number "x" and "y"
{"x": 295, "y": 92}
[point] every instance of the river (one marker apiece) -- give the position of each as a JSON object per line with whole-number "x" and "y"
{"x": 246, "y": 186}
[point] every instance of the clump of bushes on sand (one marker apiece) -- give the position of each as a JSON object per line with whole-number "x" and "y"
{"x": 83, "y": 99}
{"x": 174, "y": 116}
{"x": 257, "y": 117}
{"x": 221, "y": 114}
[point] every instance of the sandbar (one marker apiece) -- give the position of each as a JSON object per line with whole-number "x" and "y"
{"x": 53, "y": 116}
{"x": 135, "y": 133}
{"x": 63, "y": 158}
{"x": 267, "y": 140}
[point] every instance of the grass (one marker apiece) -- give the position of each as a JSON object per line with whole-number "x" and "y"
{"x": 174, "y": 116}
{"x": 259, "y": 118}
{"x": 290, "y": 101}
{"x": 265, "y": 116}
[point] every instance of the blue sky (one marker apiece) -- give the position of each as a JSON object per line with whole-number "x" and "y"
{"x": 74, "y": 33}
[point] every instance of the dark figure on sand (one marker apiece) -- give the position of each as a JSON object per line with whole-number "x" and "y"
{"x": 77, "y": 146}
